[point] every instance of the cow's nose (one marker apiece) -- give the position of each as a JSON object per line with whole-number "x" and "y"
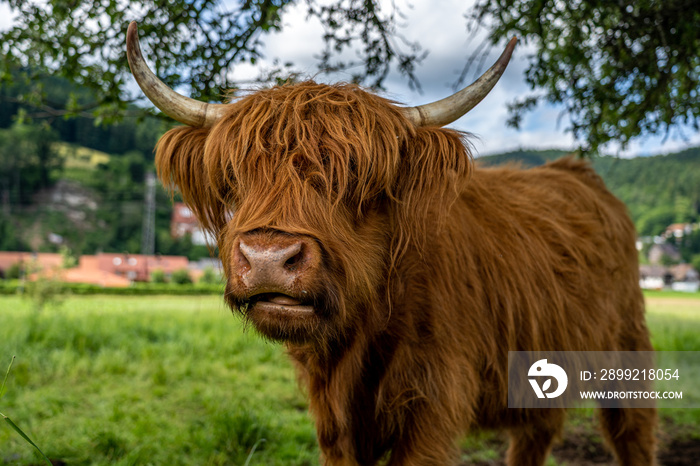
{"x": 268, "y": 265}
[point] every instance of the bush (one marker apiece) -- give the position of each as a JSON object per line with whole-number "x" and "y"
{"x": 12, "y": 286}
{"x": 45, "y": 291}
{"x": 158, "y": 276}
{"x": 210, "y": 277}
{"x": 67, "y": 257}
{"x": 9, "y": 287}
{"x": 695, "y": 262}
{"x": 181, "y": 277}
{"x": 14, "y": 271}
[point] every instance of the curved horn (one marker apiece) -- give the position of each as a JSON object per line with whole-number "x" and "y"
{"x": 450, "y": 108}
{"x": 183, "y": 109}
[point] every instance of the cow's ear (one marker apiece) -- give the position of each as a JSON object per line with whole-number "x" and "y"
{"x": 181, "y": 166}
{"x": 435, "y": 165}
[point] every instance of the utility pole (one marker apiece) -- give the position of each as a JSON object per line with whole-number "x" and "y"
{"x": 6, "y": 200}
{"x": 148, "y": 232}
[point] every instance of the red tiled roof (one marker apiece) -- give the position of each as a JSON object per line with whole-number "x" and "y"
{"x": 105, "y": 269}
{"x": 43, "y": 260}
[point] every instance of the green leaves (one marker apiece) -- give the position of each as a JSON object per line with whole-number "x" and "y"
{"x": 620, "y": 69}
{"x": 362, "y": 23}
{"x": 191, "y": 45}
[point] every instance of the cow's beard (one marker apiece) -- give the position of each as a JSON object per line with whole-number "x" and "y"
{"x": 295, "y": 319}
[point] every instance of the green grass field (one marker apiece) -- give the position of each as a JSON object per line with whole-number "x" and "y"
{"x": 157, "y": 380}
{"x": 179, "y": 380}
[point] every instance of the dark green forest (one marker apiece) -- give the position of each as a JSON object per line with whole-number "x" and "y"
{"x": 130, "y": 134}
{"x": 37, "y": 175}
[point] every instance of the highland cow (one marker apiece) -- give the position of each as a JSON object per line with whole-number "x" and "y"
{"x": 396, "y": 271}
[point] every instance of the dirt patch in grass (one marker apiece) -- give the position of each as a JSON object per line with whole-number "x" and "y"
{"x": 583, "y": 446}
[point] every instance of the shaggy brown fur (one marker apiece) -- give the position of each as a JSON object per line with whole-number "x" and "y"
{"x": 432, "y": 269}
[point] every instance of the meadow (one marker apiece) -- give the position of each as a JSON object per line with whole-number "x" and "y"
{"x": 179, "y": 380}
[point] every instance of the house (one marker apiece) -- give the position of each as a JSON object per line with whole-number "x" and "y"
{"x": 103, "y": 269}
{"x": 133, "y": 267}
{"x": 658, "y": 251}
{"x": 685, "y": 278}
{"x": 168, "y": 264}
{"x": 678, "y": 230}
{"x": 680, "y": 277}
{"x": 654, "y": 277}
{"x": 30, "y": 261}
{"x": 122, "y": 269}
{"x": 183, "y": 222}
{"x": 93, "y": 276}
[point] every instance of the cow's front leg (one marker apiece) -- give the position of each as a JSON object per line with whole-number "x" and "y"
{"x": 427, "y": 438}
{"x": 336, "y": 453}
{"x": 530, "y": 444}
{"x": 427, "y": 448}
{"x": 335, "y": 460}
{"x": 338, "y": 449}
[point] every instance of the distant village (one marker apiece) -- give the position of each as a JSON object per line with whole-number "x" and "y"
{"x": 661, "y": 266}
{"x": 664, "y": 269}
{"x": 116, "y": 269}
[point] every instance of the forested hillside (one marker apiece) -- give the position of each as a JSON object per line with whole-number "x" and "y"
{"x": 88, "y": 201}
{"x": 85, "y": 127}
{"x": 77, "y": 183}
{"x": 658, "y": 190}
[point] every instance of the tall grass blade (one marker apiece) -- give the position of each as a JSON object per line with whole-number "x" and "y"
{"x": 252, "y": 450}
{"x": 2, "y": 388}
{"x": 25, "y": 437}
{"x": 12, "y": 424}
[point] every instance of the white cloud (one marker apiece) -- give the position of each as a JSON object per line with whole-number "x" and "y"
{"x": 677, "y": 140}
{"x": 6, "y": 17}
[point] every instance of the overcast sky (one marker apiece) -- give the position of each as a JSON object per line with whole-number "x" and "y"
{"x": 440, "y": 27}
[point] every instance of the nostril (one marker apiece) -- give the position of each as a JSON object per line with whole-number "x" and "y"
{"x": 293, "y": 262}
{"x": 240, "y": 256}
